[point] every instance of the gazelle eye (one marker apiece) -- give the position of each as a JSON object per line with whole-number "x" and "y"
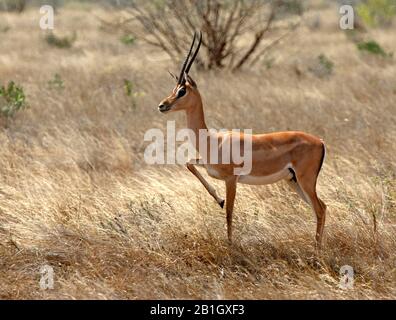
{"x": 181, "y": 92}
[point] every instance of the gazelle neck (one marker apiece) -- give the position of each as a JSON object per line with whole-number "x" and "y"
{"x": 196, "y": 120}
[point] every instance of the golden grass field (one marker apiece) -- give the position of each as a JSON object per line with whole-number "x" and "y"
{"x": 76, "y": 194}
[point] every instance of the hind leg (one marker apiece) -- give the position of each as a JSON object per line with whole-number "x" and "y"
{"x": 296, "y": 188}
{"x": 308, "y": 187}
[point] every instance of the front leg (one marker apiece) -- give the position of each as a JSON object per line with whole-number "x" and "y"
{"x": 207, "y": 186}
{"x": 231, "y": 185}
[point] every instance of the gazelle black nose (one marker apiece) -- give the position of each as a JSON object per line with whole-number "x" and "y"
{"x": 163, "y": 107}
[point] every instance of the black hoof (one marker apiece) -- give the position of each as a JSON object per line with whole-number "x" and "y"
{"x": 221, "y": 204}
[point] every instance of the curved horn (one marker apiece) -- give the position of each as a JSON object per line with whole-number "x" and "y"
{"x": 181, "y": 77}
{"x": 195, "y": 53}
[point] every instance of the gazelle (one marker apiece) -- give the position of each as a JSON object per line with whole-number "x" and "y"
{"x": 296, "y": 157}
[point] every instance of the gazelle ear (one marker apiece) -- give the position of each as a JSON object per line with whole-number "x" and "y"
{"x": 190, "y": 81}
{"x": 173, "y": 76}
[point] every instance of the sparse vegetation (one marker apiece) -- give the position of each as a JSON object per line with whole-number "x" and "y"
{"x": 128, "y": 39}
{"x": 130, "y": 92}
{"x": 128, "y": 87}
{"x": 57, "y": 82}
{"x": 12, "y": 99}
{"x": 322, "y": 67}
{"x": 375, "y": 13}
{"x": 372, "y": 47}
{"x": 64, "y": 42}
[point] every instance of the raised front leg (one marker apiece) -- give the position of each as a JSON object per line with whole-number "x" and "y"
{"x": 207, "y": 186}
{"x": 231, "y": 184}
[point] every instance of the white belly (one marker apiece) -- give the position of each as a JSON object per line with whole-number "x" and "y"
{"x": 272, "y": 178}
{"x": 213, "y": 172}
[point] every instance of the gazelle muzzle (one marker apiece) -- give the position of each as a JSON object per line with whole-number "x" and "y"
{"x": 164, "y": 107}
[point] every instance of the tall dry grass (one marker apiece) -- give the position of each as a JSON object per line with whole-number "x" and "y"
{"x": 76, "y": 194}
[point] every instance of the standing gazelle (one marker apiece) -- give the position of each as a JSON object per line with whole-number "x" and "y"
{"x": 296, "y": 157}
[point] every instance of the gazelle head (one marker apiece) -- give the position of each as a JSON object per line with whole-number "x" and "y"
{"x": 184, "y": 96}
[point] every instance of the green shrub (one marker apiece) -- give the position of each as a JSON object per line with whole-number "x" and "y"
{"x": 56, "y": 82}
{"x": 12, "y": 99}
{"x": 130, "y": 92}
{"x": 376, "y": 13}
{"x": 128, "y": 39}
{"x": 61, "y": 42}
{"x": 128, "y": 86}
{"x": 323, "y": 66}
{"x": 326, "y": 63}
{"x": 372, "y": 47}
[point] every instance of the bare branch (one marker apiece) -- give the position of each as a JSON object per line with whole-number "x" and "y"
{"x": 274, "y": 42}
{"x": 258, "y": 38}
{"x": 169, "y": 24}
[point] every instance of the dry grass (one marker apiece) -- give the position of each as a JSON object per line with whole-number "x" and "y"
{"x": 76, "y": 194}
